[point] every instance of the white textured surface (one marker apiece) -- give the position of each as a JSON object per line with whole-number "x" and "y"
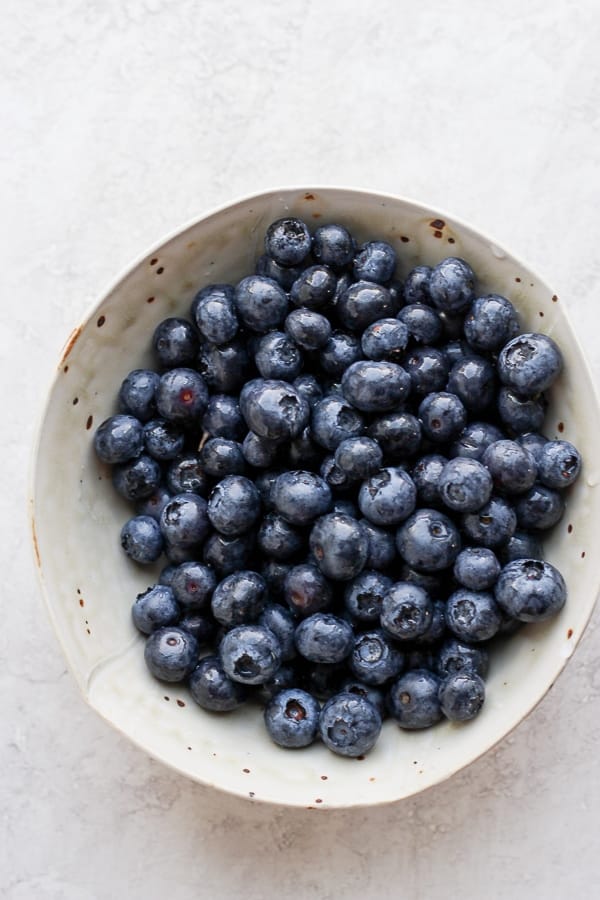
{"x": 120, "y": 120}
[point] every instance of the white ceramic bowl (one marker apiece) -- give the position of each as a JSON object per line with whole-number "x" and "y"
{"x": 89, "y": 584}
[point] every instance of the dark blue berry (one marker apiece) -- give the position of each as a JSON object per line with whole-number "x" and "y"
{"x": 385, "y": 339}
{"x": 163, "y": 440}
{"x": 300, "y": 497}
{"x": 200, "y": 626}
{"x": 443, "y": 416}
{"x": 349, "y": 724}
{"x": 274, "y": 409}
{"x": 512, "y": 467}
{"x": 397, "y": 433}
{"x": 333, "y": 246}
{"x": 239, "y": 598}
{"x": 258, "y": 451}
{"x": 473, "y": 615}
{"x": 287, "y": 241}
{"x": 427, "y": 368}
{"x": 222, "y": 418}
{"x": 451, "y": 285}
{"x": 314, "y": 287}
{"x": 476, "y": 568}
{"x": 339, "y": 545}
{"x": 428, "y": 541}
{"x": 234, "y": 505}
{"x": 473, "y": 379}
{"x": 154, "y": 609}
{"x": 283, "y": 275}
{"x": 534, "y": 442}
{"x": 278, "y": 539}
{"x": 540, "y": 508}
{"x": 559, "y": 464}
{"x": 309, "y": 388}
{"x": 529, "y": 364}
{"x": 175, "y": 343}
{"x": 154, "y": 504}
{"x": 388, "y": 497}
{"x": 181, "y": 396}
{"x": 474, "y": 440}
{"x": 141, "y": 539}
{"x": 118, "y": 439}
{"x": 333, "y": 420}
{"x": 277, "y": 356}
{"x": 260, "y": 302}
{"x": 137, "y": 394}
{"x": 228, "y": 554}
{"x": 184, "y": 520}
{"x": 381, "y": 551}
{"x": 306, "y": 590}
{"x": 363, "y": 596}
{"x": 375, "y": 386}
{"x": 422, "y": 322}
{"x": 340, "y": 351}
{"x": 213, "y": 311}
{"x": 375, "y": 261}
{"x": 492, "y": 525}
{"x": 171, "y": 653}
{"x": 426, "y": 475}
{"x": 521, "y": 414}
{"x": 193, "y": 584}
{"x": 490, "y": 323}
{"x": 250, "y": 654}
{"x": 374, "y": 658}
{"x": 221, "y": 457}
{"x": 362, "y": 303}
{"x": 464, "y": 485}
{"x": 358, "y": 457}
{"x": 406, "y": 611}
{"x": 137, "y": 478}
{"x": 324, "y": 638}
{"x": 458, "y": 656}
{"x": 462, "y": 696}
{"x": 282, "y": 623}
{"x": 413, "y": 699}
{"x": 530, "y": 590}
{"x": 522, "y": 545}
{"x": 212, "y": 689}
{"x": 416, "y": 286}
{"x": 308, "y": 329}
{"x": 185, "y": 474}
{"x": 292, "y": 718}
{"x": 224, "y": 367}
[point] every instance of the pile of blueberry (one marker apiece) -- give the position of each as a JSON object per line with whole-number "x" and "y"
{"x": 347, "y": 478}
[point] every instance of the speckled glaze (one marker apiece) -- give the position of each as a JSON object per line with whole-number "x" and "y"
{"x": 89, "y": 584}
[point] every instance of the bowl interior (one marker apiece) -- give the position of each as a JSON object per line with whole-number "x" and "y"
{"x": 89, "y": 584}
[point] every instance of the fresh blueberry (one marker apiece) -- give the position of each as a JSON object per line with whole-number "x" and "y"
{"x": 374, "y": 658}
{"x": 333, "y": 246}
{"x": 476, "y": 568}
{"x": 287, "y": 241}
{"x": 345, "y": 506}
{"x": 292, "y": 718}
{"x": 260, "y": 302}
{"x": 228, "y": 554}
{"x": 193, "y": 584}
{"x": 416, "y": 286}
{"x": 285, "y": 276}
{"x": 363, "y": 303}
{"x": 522, "y": 545}
{"x": 456, "y": 350}
{"x": 200, "y": 626}
{"x": 462, "y": 696}
{"x": 458, "y": 656}
{"x": 381, "y": 551}
{"x": 530, "y": 590}
{"x": 385, "y": 339}
{"x": 154, "y": 609}
{"x": 221, "y": 457}
{"x": 413, "y": 699}
{"x": 239, "y": 598}
{"x": 406, "y": 611}
{"x": 300, "y": 497}
{"x": 397, "y": 433}
{"x": 213, "y": 311}
{"x": 309, "y": 388}
{"x": 181, "y": 396}
{"x": 534, "y": 442}
{"x": 306, "y": 590}
{"x": 521, "y": 414}
{"x": 223, "y": 418}
{"x": 184, "y": 520}
{"x": 281, "y": 622}
{"x": 224, "y": 367}
{"x": 428, "y": 370}
{"x": 303, "y": 452}
{"x": 349, "y": 724}
{"x": 141, "y": 539}
{"x": 436, "y": 629}
{"x": 137, "y": 478}
{"x": 234, "y": 505}
{"x": 274, "y": 409}
{"x": 451, "y": 285}
{"x": 277, "y": 356}
{"x": 333, "y": 420}
{"x": 473, "y": 379}
{"x": 559, "y": 464}
{"x": 492, "y": 525}
{"x": 118, "y": 439}
{"x": 313, "y": 288}
{"x": 474, "y": 440}
{"x": 154, "y": 504}
{"x": 185, "y": 474}
{"x": 464, "y": 485}
{"x": 490, "y": 323}
{"x": 308, "y": 329}
{"x": 163, "y": 440}
{"x": 358, "y": 457}
{"x": 363, "y": 596}
{"x": 275, "y": 573}
{"x": 339, "y": 545}
{"x": 422, "y": 322}
{"x": 540, "y": 508}
{"x": 171, "y": 653}
{"x": 250, "y": 654}
{"x": 212, "y": 689}
{"x": 473, "y": 616}
{"x": 258, "y": 451}
{"x": 335, "y": 477}
{"x": 175, "y": 343}
{"x": 426, "y": 475}
{"x": 137, "y": 394}
{"x": 375, "y": 386}
{"x": 278, "y": 539}
{"x": 180, "y": 553}
{"x": 285, "y": 678}
{"x": 264, "y": 482}
{"x": 324, "y": 638}
{"x": 375, "y": 261}
{"x": 529, "y": 364}
{"x": 340, "y": 351}
{"x": 431, "y": 582}
{"x": 388, "y": 497}
{"x": 443, "y": 416}
{"x": 512, "y": 467}
{"x": 428, "y": 541}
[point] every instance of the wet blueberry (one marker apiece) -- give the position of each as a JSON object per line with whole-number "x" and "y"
{"x": 473, "y": 616}
{"x": 340, "y": 351}
{"x": 381, "y": 551}
{"x": 362, "y": 303}
{"x": 221, "y": 457}
{"x": 175, "y": 343}
{"x": 224, "y": 367}
{"x": 278, "y": 539}
{"x": 118, "y": 439}
{"x": 540, "y": 508}
{"x": 137, "y": 478}
{"x": 462, "y": 696}
{"x": 426, "y": 475}
{"x": 308, "y": 329}
{"x": 234, "y": 505}
{"x": 529, "y": 364}
{"x": 385, "y": 339}
{"x": 397, "y": 433}
{"x": 185, "y": 474}
{"x": 473, "y": 380}
{"x": 155, "y": 608}
{"x": 324, "y": 638}
{"x": 375, "y": 261}
{"x": 428, "y": 370}
{"x": 212, "y": 689}
{"x": 339, "y": 545}
{"x": 292, "y": 718}
{"x": 260, "y": 302}
{"x": 193, "y": 584}
{"x": 306, "y": 590}
{"x": 273, "y": 409}
{"x": 388, "y": 497}
{"x": 512, "y": 467}
{"x": 137, "y": 394}
{"x": 223, "y": 418}
{"x": 476, "y": 568}
{"x": 171, "y": 653}
{"x": 181, "y": 396}
{"x": 314, "y": 287}
{"x": 559, "y": 464}
{"x": 239, "y": 598}
{"x": 333, "y": 420}
{"x": 459, "y": 656}
{"x": 451, "y": 285}
{"x": 288, "y": 241}
{"x": 464, "y": 485}
{"x": 413, "y": 699}
{"x": 492, "y": 525}
{"x": 490, "y": 323}
{"x": 213, "y": 311}
{"x": 278, "y": 357}
{"x": 474, "y": 440}
{"x": 141, "y": 539}
{"x": 333, "y": 246}
{"x": 184, "y": 520}
{"x": 530, "y": 590}
{"x": 375, "y": 658}
{"x": 443, "y": 416}
{"x": 375, "y": 386}
{"x": 406, "y": 611}
{"x": 416, "y": 286}
{"x": 300, "y": 497}
{"x": 349, "y": 724}
{"x": 422, "y": 323}
{"x": 520, "y": 414}
{"x": 363, "y": 596}
{"x": 282, "y": 623}
{"x": 358, "y": 457}
{"x": 250, "y": 654}
{"x": 428, "y": 541}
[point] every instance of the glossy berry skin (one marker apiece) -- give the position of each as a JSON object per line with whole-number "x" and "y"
{"x": 155, "y": 608}
{"x": 154, "y": 504}
{"x": 473, "y": 616}
{"x": 313, "y": 288}
{"x": 163, "y": 440}
{"x": 373, "y": 694}
{"x": 363, "y": 303}
{"x": 381, "y": 551}
{"x": 171, "y": 653}
{"x": 333, "y": 420}
{"x": 339, "y": 545}
{"x": 181, "y": 396}
{"x": 283, "y": 275}
{"x": 443, "y": 416}
{"x": 141, "y": 539}
{"x": 358, "y": 457}
{"x": 459, "y": 656}
{"x": 385, "y": 339}
{"x": 333, "y": 246}
{"x": 462, "y": 696}
{"x": 137, "y": 394}
{"x": 193, "y": 584}
{"x": 520, "y": 414}
{"x": 258, "y": 451}
{"x": 184, "y": 520}
{"x": 261, "y": 304}
{"x": 363, "y": 596}
{"x": 529, "y": 363}
{"x": 425, "y": 475}
{"x": 278, "y": 539}
{"x": 288, "y": 241}
{"x": 388, "y": 497}
{"x": 476, "y": 568}
{"x": 250, "y": 654}
{"x": 490, "y": 323}
{"x": 137, "y": 478}
{"x": 201, "y": 627}
{"x": 303, "y": 452}
{"x": 221, "y": 457}
{"x": 416, "y": 285}
{"x": 374, "y": 658}
{"x": 118, "y": 439}
{"x": 224, "y": 367}
{"x": 559, "y": 464}
{"x": 451, "y": 285}
{"x": 492, "y": 525}
{"x": 530, "y": 590}
{"x": 300, "y": 497}
{"x": 540, "y": 508}
{"x": 413, "y": 699}
{"x": 340, "y": 351}
{"x": 349, "y": 725}
{"x": 278, "y": 357}
{"x": 274, "y": 409}
{"x": 436, "y": 630}
{"x": 534, "y": 442}
{"x": 292, "y": 718}
{"x": 473, "y": 380}
{"x": 372, "y": 386}
{"x": 234, "y": 505}
{"x": 406, "y": 611}
{"x": 308, "y": 329}
{"x": 427, "y": 368}
{"x": 464, "y": 485}
{"x": 306, "y": 590}
{"x": 222, "y": 418}
{"x": 212, "y": 689}
{"x": 282, "y": 623}
{"x": 522, "y": 545}
{"x": 228, "y": 554}
{"x": 375, "y": 261}
{"x": 213, "y": 311}
{"x": 309, "y": 388}
{"x": 185, "y": 474}
{"x": 474, "y": 440}
{"x": 239, "y": 598}
{"x": 422, "y": 322}
{"x": 428, "y": 541}
{"x": 175, "y": 343}
{"x": 397, "y": 433}
{"x": 324, "y": 638}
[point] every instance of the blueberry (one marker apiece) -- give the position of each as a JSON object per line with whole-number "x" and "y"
{"x": 345, "y": 506}
{"x": 275, "y": 573}
{"x": 363, "y": 596}
{"x": 274, "y": 409}
{"x": 384, "y": 339}
{"x": 250, "y": 654}
{"x": 324, "y": 638}
{"x": 534, "y": 442}
{"x": 303, "y": 452}
{"x": 443, "y": 416}
{"x": 313, "y": 288}
{"x": 180, "y": 553}
{"x": 340, "y": 351}
{"x": 154, "y": 504}
{"x": 181, "y": 396}
{"x": 368, "y": 692}
{"x": 473, "y": 615}
{"x": 185, "y": 474}
{"x": 520, "y": 414}
{"x": 118, "y": 439}
{"x": 171, "y": 653}
{"x": 492, "y": 525}
{"x": 451, "y": 285}
{"x": 413, "y": 699}
{"x": 260, "y": 302}
{"x": 175, "y": 343}
{"x": 239, "y": 598}
{"x": 388, "y": 497}
{"x": 335, "y": 477}
{"x": 264, "y": 482}
{"x": 212, "y": 689}
{"x": 283, "y": 275}
{"x": 530, "y": 590}
{"x": 476, "y": 568}
{"x": 349, "y": 725}
{"x": 473, "y": 379}
{"x": 428, "y": 541}
{"x": 155, "y": 608}
{"x": 141, "y": 539}
{"x": 456, "y": 350}
{"x": 258, "y": 451}
{"x": 137, "y": 394}
{"x": 375, "y": 261}
{"x": 221, "y": 457}
{"x": 435, "y": 631}
{"x": 559, "y": 464}
{"x": 184, "y": 520}
{"x": 285, "y": 678}
{"x": 381, "y": 551}
{"x": 358, "y": 457}
{"x": 427, "y": 368}
{"x": 490, "y": 323}
{"x": 426, "y": 475}
{"x": 374, "y": 658}
{"x": 375, "y": 386}
{"x": 474, "y": 440}
{"x": 287, "y": 241}
{"x": 223, "y": 418}
{"x": 300, "y": 497}
{"x": 137, "y": 478}
{"x": 309, "y": 388}
{"x": 540, "y": 508}
{"x": 464, "y": 485}
{"x": 406, "y": 611}
{"x": 163, "y": 440}
{"x": 416, "y": 286}
{"x": 306, "y": 590}
{"x": 522, "y": 545}
{"x": 308, "y": 329}
{"x": 193, "y": 584}
{"x": 362, "y": 303}
{"x": 213, "y": 311}
{"x": 201, "y": 627}
{"x": 333, "y": 420}
{"x": 224, "y": 367}
{"x": 512, "y": 467}
{"x": 228, "y": 554}
{"x": 458, "y": 656}
{"x": 292, "y": 718}
{"x": 397, "y": 433}
{"x": 234, "y": 505}
{"x": 339, "y": 545}
{"x": 431, "y": 582}
{"x": 333, "y": 246}
{"x": 281, "y": 622}
{"x": 278, "y": 539}
{"x": 422, "y": 322}
{"x": 277, "y": 356}
{"x": 462, "y": 696}
{"x": 529, "y": 364}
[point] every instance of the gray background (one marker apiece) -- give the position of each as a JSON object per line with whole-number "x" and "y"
{"x": 123, "y": 119}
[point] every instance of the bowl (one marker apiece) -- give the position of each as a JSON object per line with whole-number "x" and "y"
{"x": 89, "y": 584}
